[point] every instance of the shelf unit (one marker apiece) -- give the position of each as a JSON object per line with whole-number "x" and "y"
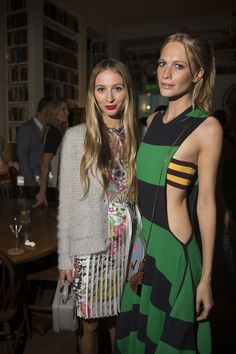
{"x": 60, "y": 52}
{"x": 97, "y": 51}
{"x": 42, "y": 58}
{"x": 16, "y": 65}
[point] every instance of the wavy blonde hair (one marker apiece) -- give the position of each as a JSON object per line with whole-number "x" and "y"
{"x": 52, "y": 109}
{"x": 199, "y": 53}
{"x": 96, "y": 144}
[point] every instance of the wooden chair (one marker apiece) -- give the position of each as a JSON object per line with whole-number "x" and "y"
{"x": 42, "y": 281}
{"x": 14, "y": 322}
{"x": 8, "y": 185}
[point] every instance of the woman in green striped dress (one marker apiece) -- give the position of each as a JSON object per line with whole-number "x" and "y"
{"x": 177, "y": 165}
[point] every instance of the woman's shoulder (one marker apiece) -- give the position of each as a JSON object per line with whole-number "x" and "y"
{"x": 52, "y": 134}
{"x": 52, "y": 129}
{"x": 76, "y": 131}
{"x": 211, "y": 126}
{"x": 210, "y": 132}
{"x": 150, "y": 119}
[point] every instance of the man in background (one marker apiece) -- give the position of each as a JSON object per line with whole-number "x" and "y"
{"x": 30, "y": 147}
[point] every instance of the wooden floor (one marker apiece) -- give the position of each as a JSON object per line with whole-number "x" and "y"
{"x": 51, "y": 343}
{"x": 223, "y": 316}
{"x": 45, "y": 341}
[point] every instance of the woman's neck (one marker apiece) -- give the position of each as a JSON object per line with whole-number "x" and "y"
{"x": 175, "y": 108}
{"x": 113, "y": 122}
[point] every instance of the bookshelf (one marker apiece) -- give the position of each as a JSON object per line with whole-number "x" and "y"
{"x": 60, "y": 52}
{"x": 98, "y": 49}
{"x": 41, "y": 54}
{"x": 17, "y": 65}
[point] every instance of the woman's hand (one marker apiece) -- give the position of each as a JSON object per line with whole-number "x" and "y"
{"x": 41, "y": 199}
{"x": 204, "y": 300}
{"x": 65, "y": 275}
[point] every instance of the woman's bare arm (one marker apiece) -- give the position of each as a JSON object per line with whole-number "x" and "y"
{"x": 41, "y": 196}
{"x": 210, "y": 145}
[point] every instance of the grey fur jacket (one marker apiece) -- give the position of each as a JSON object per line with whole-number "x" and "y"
{"x": 82, "y": 223}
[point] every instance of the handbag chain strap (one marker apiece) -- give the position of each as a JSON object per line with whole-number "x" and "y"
{"x": 160, "y": 176}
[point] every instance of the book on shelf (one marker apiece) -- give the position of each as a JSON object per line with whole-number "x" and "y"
{"x": 18, "y": 113}
{"x": 12, "y": 133}
{"x": 60, "y": 57}
{"x": 16, "y": 20}
{"x": 18, "y": 93}
{"x": 15, "y": 5}
{"x": 17, "y": 37}
{"x": 60, "y": 39}
{"x": 17, "y": 54}
{"x": 58, "y": 74}
{"x": 60, "y": 16}
{"x": 60, "y": 90}
{"x": 18, "y": 73}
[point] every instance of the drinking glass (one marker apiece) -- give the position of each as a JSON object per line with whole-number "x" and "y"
{"x": 15, "y": 227}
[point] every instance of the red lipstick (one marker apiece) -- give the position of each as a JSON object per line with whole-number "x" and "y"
{"x": 110, "y": 107}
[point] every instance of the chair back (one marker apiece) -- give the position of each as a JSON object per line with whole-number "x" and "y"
{"x": 14, "y": 320}
{"x": 8, "y": 185}
{"x": 8, "y": 288}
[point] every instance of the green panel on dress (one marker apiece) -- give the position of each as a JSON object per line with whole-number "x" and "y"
{"x": 130, "y": 298}
{"x": 131, "y": 341}
{"x": 164, "y": 348}
{"x": 150, "y": 173}
{"x": 196, "y": 113}
{"x": 153, "y": 331}
{"x": 204, "y": 338}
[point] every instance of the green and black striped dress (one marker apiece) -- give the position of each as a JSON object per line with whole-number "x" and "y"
{"x": 162, "y": 319}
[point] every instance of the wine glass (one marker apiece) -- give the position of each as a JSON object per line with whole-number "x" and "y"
{"x": 15, "y": 227}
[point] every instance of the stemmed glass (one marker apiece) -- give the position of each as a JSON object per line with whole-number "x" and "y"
{"x": 15, "y": 227}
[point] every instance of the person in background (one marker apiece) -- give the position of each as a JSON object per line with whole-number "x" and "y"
{"x": 97, "y": 200}
{"x": 176, "y": 162}
{"x": 7, "y": 185}
{"x": 30, "y": 147}
{"x": 56, "y": 119}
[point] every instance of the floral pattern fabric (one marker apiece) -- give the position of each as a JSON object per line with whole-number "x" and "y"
{"x": 99, "y": 278}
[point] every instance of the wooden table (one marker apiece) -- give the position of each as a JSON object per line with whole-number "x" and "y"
{"x": 42, "y": 230}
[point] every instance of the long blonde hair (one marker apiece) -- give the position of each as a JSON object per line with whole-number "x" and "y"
{"x": 96, "y": 144}
{"x": 199, "y": 52}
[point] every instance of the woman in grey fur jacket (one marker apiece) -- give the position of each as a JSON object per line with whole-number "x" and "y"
{"x": 98, "y": 199}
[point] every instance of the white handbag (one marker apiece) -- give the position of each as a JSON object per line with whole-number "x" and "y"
{"x": 64, "y": 309}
